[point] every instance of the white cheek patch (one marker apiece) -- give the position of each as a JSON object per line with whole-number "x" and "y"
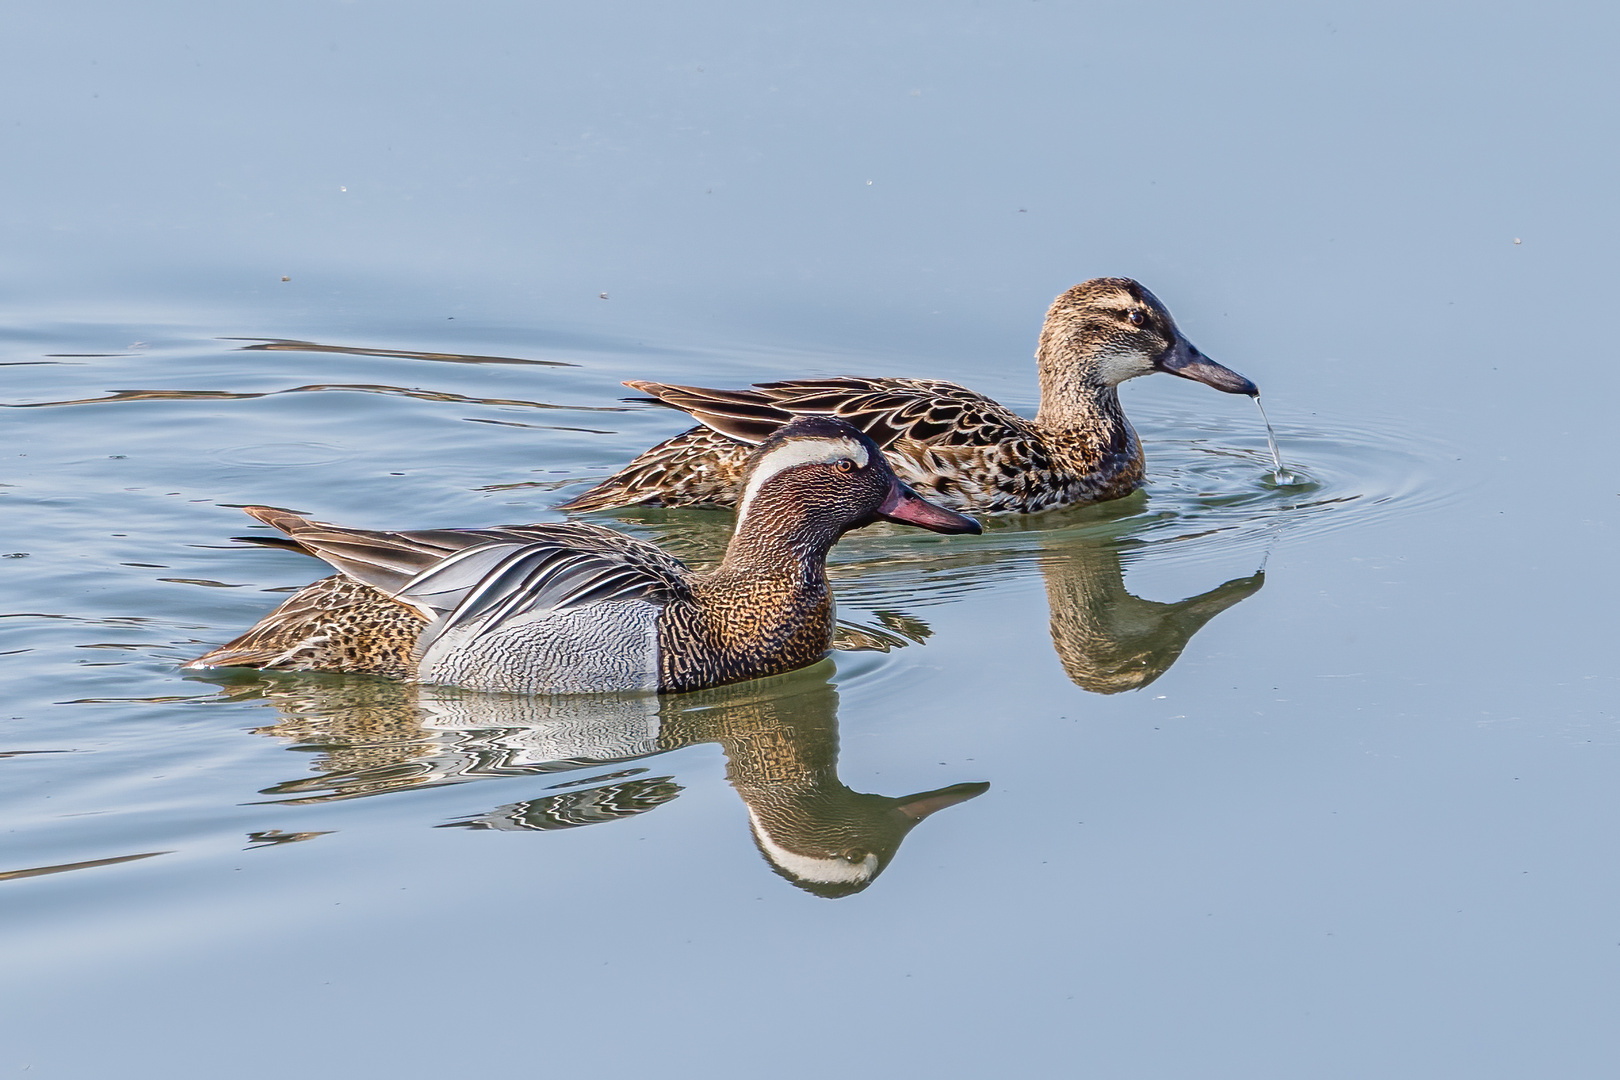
{"x": 795, "y": 453}
{"x": 822, "y": 871}
{"x": 1116, "y": 367}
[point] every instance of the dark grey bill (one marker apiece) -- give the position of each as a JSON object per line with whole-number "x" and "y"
{"x": 1185, "y": 360}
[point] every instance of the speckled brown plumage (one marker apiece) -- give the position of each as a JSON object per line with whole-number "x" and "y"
{"x": 954, "y": 446}
{"x": 698, "y": 467}
{"x": 335, "y": 624}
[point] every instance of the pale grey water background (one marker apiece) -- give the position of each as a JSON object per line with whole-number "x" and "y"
{"x": 1365, "y": 825}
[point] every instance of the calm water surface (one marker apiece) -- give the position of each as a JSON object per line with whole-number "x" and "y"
{"x": 1230, "y": 778}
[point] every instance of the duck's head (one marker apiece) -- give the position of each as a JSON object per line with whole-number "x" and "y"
{"x": 1107, "y": 330}
{"x": 832, "y": 841}
{"x": 819, "y": 475}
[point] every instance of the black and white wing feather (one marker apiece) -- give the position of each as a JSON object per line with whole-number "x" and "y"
{"x": 384, "y": 560}
{"x": 491, "y": 585}
{"x": 491, "y": 575}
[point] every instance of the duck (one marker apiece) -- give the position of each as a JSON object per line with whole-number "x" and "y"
{"x": 573, "y": 607}
{"x": 952, "y": 445}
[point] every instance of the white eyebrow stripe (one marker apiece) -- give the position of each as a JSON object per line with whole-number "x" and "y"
{"x": 799, "y": 452}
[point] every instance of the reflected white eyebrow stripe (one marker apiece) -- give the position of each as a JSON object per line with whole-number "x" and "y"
{"x": 823, "y": 871}
{"x": 798, "y": 452}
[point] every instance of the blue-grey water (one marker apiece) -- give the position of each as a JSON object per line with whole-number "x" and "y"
{"x": 1311, "y": 779}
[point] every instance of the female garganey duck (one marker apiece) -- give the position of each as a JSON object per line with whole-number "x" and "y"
{"x": 576, "y": 608}
{"x": 954, "y": 446}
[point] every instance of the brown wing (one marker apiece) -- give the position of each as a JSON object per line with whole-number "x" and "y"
{"x": 926, "y": 411}
{"x": 950, "y": 443}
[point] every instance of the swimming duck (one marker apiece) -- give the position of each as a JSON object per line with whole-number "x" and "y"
{"x": 576, "y": 608}
{"x": 952, "y": 445}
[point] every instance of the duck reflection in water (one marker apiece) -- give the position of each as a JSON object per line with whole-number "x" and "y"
{"x": 780, "y": 738}
{"x": 1108, "y": 639}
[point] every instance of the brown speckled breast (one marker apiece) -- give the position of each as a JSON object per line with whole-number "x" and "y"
{"x": 735, "y": 633}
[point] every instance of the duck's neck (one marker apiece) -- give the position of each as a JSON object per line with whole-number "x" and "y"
{"x": 768, "y": 603}
{"x": 1073, "y": 393}
{"x": 1081, "y": 415}
{"x": 776, "y": 539}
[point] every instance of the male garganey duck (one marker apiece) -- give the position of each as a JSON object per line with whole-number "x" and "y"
{"x": 576, "y": 608}
{"x": 954, "y": 446}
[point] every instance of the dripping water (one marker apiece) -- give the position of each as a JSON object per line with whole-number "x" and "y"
{"x": 1281, "y": 476}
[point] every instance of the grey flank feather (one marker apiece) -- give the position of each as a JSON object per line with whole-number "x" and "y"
{"x": 493, "y": 584}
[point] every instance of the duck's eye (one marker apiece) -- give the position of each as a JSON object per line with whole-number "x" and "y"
{"x": 1137, "y": 318}
{"x": 844, "y": 465}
